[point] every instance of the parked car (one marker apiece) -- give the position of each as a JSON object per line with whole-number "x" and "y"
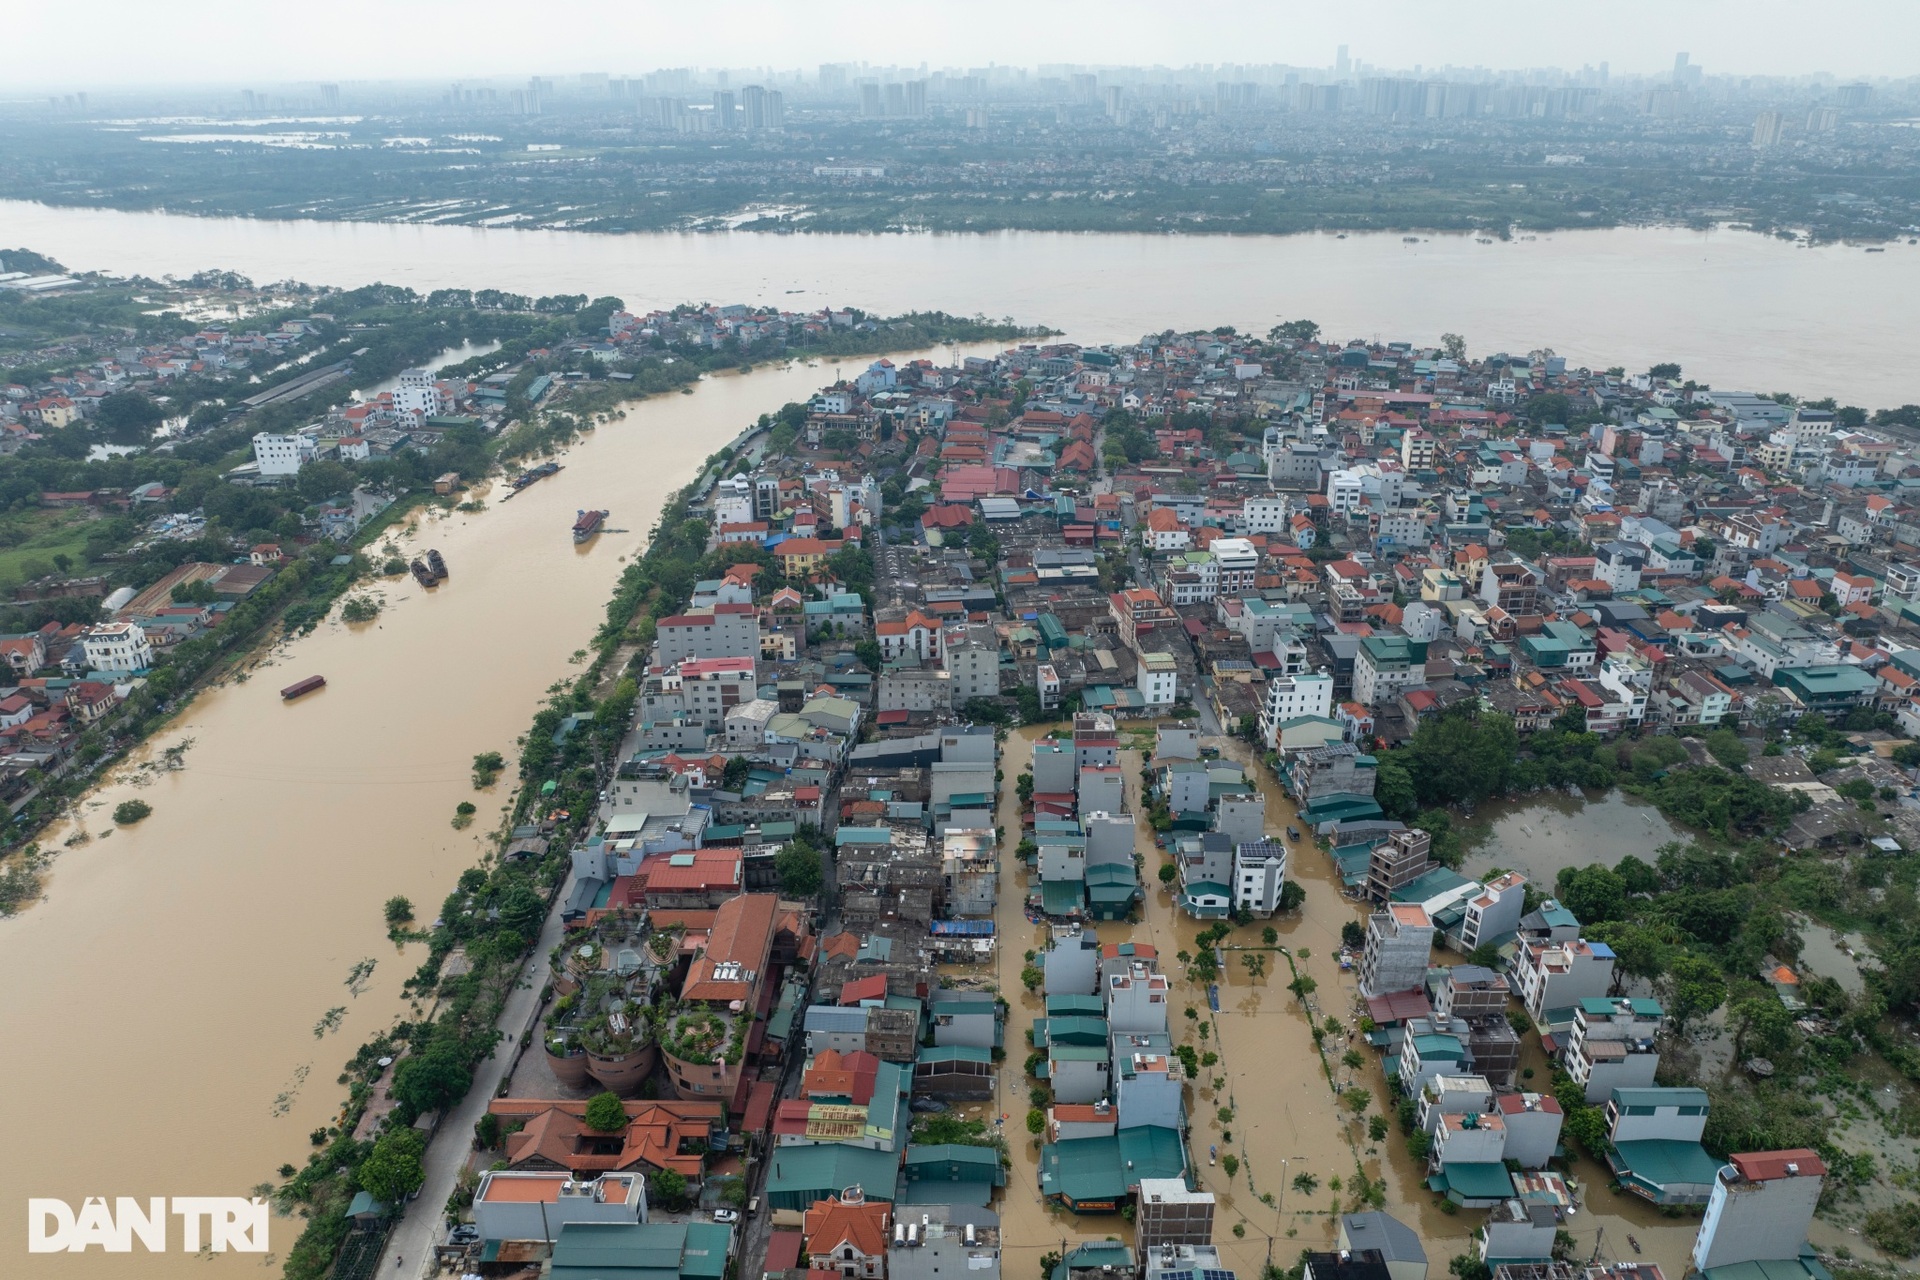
{"x": 726, "y": 1215}
{"x": 926, "y": 1105}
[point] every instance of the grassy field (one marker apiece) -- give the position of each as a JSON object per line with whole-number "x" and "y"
{"x": 30, "y": 540}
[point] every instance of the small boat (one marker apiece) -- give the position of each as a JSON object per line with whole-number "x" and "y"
{"x": 587, "y": 523}
{"x": 422, "y": 574}
{"x": 1876, "y": 250}
{"x": 439, "y": 566}
{"x": 1409, "y": 239}
{"x": 1634, "y": 1243}
{"x": 299, "y": 687}
{"x": 1213, "y": 1154}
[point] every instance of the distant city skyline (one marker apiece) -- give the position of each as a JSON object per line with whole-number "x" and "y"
{"x": 114, "y": 44}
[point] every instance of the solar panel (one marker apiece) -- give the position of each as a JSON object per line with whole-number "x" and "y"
{"x": 1216, "y": 1275}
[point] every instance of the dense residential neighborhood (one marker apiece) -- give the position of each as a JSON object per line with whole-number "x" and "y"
{"x": 1251, "y": 603}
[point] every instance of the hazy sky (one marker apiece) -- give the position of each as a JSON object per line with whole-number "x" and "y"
{"x": 104, "y": 44}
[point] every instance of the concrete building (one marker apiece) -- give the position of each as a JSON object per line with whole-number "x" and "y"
{"x": 1158, "y": 679}
{"x": 1612, "y": 1045}
{"x": 1559, "y": 975}
{"x": 1493, "y": 914}
{"x": 1166, "y": 1213}
{"x": 1396, "y": 862}
{"x": 1533, "y": 1123}
{"x": 1259, "y": 874}
{"x": 1399, "y": 946}
{"x": 1760, "y": 1208}
{"x": 1136, "y": 1000}
{"x": 941, "y": 1242}
{"x": 1241, "y": 818}
{"x": 1384, "y": 665}
{"x": 972, "y": 655}
{"x": 730, "y": 631}
{"x": 281, "y": 457}
{"x": 1290, "y": 698}
{"x": 513, "y": 1205}
{"x": 116, "y": 646}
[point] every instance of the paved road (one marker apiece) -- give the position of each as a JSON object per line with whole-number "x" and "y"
{"x": 424, "y": 1225}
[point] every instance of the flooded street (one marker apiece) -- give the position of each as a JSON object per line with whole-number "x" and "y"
{"x": 1541, "y": 834}
{"x": 1286, "y": 1118}
{"x": 167, "y": 1008}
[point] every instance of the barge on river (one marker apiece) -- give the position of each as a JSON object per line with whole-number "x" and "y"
{"x": 532, "y": 475}
{"x": 587, "y": 523}
{"x": 299, "y": 687}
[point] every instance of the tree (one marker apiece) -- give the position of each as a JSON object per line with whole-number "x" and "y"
{"x": 1667, "y": 371}
{"x": 1306, "y": 1183}
{"x": 432, "y": 1080}
{"x": 1168, "y": 873}
{"x": 1465, "y": 1266}
{"x": 127, "y": 417}
{"x": 522, "y": 911}
{"x": 801, "y": 874}
{"x": 734, "y": 777}
{"x": 1292, "y": 894}
{"x": 1486, "y": 955}
{"x": 1454, "y": 347}
{"x": 393, "y": 1170}
{"x": 1694, "y": 988}
{"x": 669, "y": 1188}
{"x": 606, "y": 1113}
{"x": 868, "y": 651}
{"x": 1393, "y": 789}
{"x": 1763, "y": 1027}
{"x": 1353, "y": 935}
{"x": 1270, "y": 935}
{"x": 1637, "y": 951}
{"x": 1231, "y": 1163}
{"x": 1036, "y": 1121}
{"x": 1376, "y": 1128}
{"x": 128, "y": 812}
{"x": 1593, "y": 893}
{"x": 398, "y": 911}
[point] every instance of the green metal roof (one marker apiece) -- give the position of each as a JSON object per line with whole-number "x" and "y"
{"x": 1477, "y": 1181}
{"x": 1663, "y": 1162}
{"x": 1063, "y": 1006}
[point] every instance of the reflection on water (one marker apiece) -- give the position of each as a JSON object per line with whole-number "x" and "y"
{"x": 1542, "y": 834}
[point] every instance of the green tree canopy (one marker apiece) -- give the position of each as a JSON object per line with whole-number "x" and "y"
{"x": 393, "y": 1170}
{"x": 606, "y": 1113}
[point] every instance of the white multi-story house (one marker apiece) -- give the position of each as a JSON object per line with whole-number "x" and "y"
{"x": 1259, "y": 874}
{"x": 281, "y": 456}
{"x": 1612, "y": 1045}
{"x": 1158, "y": 679}
{"x": 1493, "y": 914}
{"x": 1549, "y": 976}
{"x": 711, "y": 687}
{"x": 117, "y": 646}
{"x": 1760, "y": 1208}
{"x": 1291, "y": 697}
{"x": 1263, "y": 515}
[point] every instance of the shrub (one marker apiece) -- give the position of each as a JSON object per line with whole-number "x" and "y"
{"x": 128, "y": 812}
{"x": 398, "y": 911}
{"x": 360, "y": 609}
{"x": 1036, "y": 1120}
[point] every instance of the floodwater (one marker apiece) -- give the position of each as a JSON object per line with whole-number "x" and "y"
{"x": 1286, "y": 1119}
{"x": 164, "y": 1008}
{"x": 1599, "y": 298}
{"x": 452, "y": 355}
{"x": 1542, "y": 834}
